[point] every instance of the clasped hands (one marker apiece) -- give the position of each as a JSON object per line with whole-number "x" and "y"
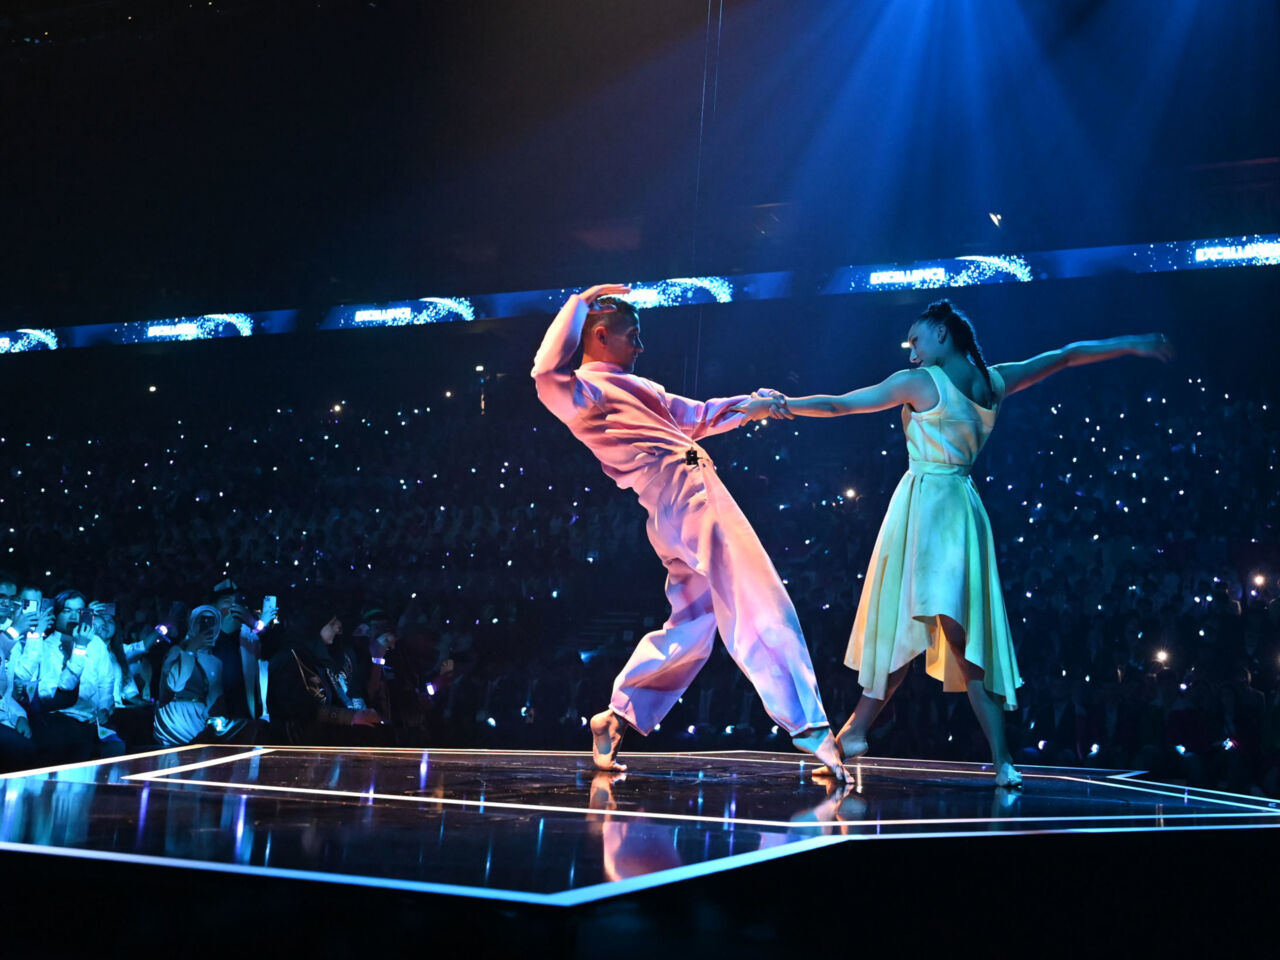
{"x": 767, "y": 404}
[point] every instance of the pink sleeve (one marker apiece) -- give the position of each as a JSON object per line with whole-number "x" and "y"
{"x": 552, "y": 373}
{"x": 701, "y": 419}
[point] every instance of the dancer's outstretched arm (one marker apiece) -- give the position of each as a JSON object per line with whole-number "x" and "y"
{"x": 703, "y": 418}
{"x": 915, "y": 387}
{"x": 906, "y": 386}
{"x": 1019, "y": 376}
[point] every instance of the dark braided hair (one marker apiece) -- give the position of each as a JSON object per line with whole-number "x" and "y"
{"x": 961, "y": 330}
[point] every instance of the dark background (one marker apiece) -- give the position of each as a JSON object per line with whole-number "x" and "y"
{"x": 162, "y": 159}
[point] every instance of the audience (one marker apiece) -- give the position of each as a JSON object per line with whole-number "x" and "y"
{"x": 68, "y": 684}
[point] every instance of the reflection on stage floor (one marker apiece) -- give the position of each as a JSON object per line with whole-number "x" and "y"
{"x": 543, "y": 827}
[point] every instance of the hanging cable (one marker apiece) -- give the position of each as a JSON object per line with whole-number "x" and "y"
{"x": 711, "y": 73}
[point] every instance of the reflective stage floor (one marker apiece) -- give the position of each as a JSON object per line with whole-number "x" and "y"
{"x": 543, "y": 828}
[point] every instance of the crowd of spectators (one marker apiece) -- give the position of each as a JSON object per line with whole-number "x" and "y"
{"x": 460, "y": 573}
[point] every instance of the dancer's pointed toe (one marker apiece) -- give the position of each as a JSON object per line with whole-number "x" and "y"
{"x": 822, "y": 745}
{"x": 1009, "y": 777}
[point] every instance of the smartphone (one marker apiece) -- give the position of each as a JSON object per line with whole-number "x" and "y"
{"x": 271, "y": 603}
{"x": 97, "y": 620}
{"x": 46, "y": 605}
{"x": 30, "y": 606}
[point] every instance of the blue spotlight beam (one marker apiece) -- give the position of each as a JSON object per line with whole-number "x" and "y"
{"x": 1245, "y": 251}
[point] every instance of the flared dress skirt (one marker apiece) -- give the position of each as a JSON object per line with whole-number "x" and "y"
{"x": 934, "y": 557}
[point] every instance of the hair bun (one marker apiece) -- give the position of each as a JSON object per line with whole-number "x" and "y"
{"x": 939, "y": 308}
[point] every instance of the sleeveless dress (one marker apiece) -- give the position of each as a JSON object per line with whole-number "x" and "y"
{"x": 935, "y": 556}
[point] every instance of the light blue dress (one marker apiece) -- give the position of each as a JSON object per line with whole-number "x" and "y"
{"x": 935, "y": 557}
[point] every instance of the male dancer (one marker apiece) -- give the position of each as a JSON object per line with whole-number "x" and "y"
{"x": 718, "y": 574}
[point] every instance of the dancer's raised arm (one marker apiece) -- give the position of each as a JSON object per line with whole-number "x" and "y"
{"x": 565, "y": 333}
{"x": 553, "y": 364}
{"x": 914, "y": 387}
{"x": 1019, "y": 376}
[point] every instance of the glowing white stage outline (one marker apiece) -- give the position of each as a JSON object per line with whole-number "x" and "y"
{"x": 581, "y": 895}
{"x": 166, "y": 776}
{"x": 199, "y": 765}
{"x": 104, "y": 761}
{"x": 1170, "y": 790}
{"x": 481, "y": 805}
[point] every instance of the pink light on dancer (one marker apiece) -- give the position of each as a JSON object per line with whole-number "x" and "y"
{"x": 718, "y": 574}
{"x": 932, "y": 585}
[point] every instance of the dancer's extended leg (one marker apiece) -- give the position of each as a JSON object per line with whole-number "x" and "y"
{"x": 990, "y": 712}
{"x": 760, "y": 629}
{"x": 987, "y": 707}
{"x": 666, "y": 660}
{"x": 853, "y": 735}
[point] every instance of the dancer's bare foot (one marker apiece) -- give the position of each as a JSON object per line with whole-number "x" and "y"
{"x": 607, "y": 729}
{"x": 851, "y": 743}
{"x": 1008, "y": 777}
{"x": 822, "y": 745}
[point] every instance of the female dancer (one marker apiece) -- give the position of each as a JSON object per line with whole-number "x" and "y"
{"x": 932, "y": 585}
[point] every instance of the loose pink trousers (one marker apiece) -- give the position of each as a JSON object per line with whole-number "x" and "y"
{"x": 718, "y": 577}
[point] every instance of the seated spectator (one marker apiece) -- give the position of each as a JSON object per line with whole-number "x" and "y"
{"x": 312, "y": 697}
{"x": 8, "y": 588}
{"x": 131, "y": 715}
{"x": 371, "y": 642}
{"x": 144, "y": 644}
{"x": 66, "y": 683}
{"x": 17, "y": 751}
{"x": 190, "y": 681}
{"x": 238, "y": 647}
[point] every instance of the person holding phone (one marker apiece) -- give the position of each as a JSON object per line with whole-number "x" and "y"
{"x": 66, "y": 683}
{"x": 130, "y": 716}
{"x": 9, "y": 605}
{"x": 239, "y": 648}
{"x": 34, "y": 612}
{"x": 190, "y": 681}
{"x": 11, "y": 609}
{"x": 17, "y": 750}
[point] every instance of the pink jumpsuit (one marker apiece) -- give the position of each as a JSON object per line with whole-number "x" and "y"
{"x": 718, "y": 574}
